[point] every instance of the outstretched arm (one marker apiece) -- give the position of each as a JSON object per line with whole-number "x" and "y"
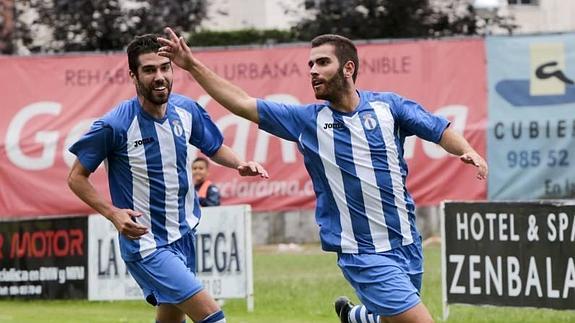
{"x": 227, "y": 94}
{"x": 455, "y": 144}
{"x": 226, "y": 157}
{"x": 79, "y": 183}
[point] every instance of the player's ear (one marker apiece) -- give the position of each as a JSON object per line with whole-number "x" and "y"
{"x": 133, "y": 76}
{"x": 348, "y": 69}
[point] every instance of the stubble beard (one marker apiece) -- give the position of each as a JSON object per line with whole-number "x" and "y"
{"x": 334, "y": 88}
{"x": 148, "y": 93}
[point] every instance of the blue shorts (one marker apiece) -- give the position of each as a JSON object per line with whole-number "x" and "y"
{"x": 167, "y": 276}
{"x": 387, "y": 283}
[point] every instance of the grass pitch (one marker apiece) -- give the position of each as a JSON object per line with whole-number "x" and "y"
{"x": 290, "y": 287}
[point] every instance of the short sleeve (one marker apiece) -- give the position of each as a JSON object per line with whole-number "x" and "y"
{"x": 94, "y": 146}
{"x": 415, "y": 120}
{"x": 205, "y": 134}
{"x": 280, "y": 119}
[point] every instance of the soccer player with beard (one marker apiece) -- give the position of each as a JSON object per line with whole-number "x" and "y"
{"x": 154, "y": 206}
{"x": 353, "y": 150}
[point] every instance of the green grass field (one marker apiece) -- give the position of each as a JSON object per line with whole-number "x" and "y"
{"x": 289, "y": 288}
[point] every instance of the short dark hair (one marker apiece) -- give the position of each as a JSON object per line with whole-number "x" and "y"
{"x": 141, "y": 45}
{"x": 345, "y": 50}
{"x": 202, "y": 159}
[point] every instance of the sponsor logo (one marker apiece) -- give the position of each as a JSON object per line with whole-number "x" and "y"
{"x": 143, "y": 141}
{"x": 548, "y": 83}
{"x": 333, "y": 125}
{"x": 542, "y": 73}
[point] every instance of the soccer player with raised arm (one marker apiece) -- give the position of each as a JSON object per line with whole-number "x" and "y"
{"x": 353, "y": 150}
{"x": 154, "y": 206}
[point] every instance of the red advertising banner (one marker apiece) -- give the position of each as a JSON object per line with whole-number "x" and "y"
{"x": 44, "y": 258}
{"x": 50, "y": 101}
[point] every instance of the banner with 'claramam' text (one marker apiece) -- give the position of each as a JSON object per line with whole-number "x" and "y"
{"x": 50, "y": 101}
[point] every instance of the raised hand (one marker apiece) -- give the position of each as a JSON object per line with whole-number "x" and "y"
{"x": 252, "y": 168}
{"x": 176, "y": 49}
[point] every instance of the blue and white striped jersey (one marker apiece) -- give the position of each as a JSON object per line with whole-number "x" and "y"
{"x": 149, "y": 166}
{"x": 356, "y": 164}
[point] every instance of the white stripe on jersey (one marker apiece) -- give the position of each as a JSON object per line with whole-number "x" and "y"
{"x": 186, "y": 119}
{"x": 370, "y": 191}
{"x": 140, "y": 186}
{"x": 386, "y": 123}
{"x": 171, "y": 184}
{"x": 326, "y": 150}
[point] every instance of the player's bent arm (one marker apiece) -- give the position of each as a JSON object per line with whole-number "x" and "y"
{"x": 455, "y": 144}
{"x": 79, "y": 183}
{"x": 225, "y": 156}
{"x": 230, "y": 96}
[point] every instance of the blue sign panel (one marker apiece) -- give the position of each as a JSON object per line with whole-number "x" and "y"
{"x": 531, "y": 134}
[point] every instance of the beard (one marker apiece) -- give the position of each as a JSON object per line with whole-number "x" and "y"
{"x": 332, "y": 88}
{"x": 152, "y": 96}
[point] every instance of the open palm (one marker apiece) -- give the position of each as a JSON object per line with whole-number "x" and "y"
{"x": 176, "y": 49}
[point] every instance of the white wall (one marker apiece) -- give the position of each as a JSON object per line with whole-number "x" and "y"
{"x": 259, "y": 14}
{"x": 547, "y": 16}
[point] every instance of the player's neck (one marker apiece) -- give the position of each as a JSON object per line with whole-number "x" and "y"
{"x": 157, "y": 111}
{"x": 347, "y": 101}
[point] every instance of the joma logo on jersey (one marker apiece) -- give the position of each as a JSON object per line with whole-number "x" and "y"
{"x": 334, "y": 125}
{"x": 143, "y": 141}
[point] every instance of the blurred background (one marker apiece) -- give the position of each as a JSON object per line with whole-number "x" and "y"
{"x": 56, "y": 26}
{"x": 501, "y": 71}
{"x": 40, "y": 30}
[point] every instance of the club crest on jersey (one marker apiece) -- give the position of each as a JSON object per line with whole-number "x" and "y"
{"x": 177, "y": 128}
{"x": 369, "y": 121}
{"x": 143, "y": 141}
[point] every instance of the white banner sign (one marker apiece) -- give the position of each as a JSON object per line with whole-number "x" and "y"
{"x": 223, "y": 257}
{"x": 108, "y": 278}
